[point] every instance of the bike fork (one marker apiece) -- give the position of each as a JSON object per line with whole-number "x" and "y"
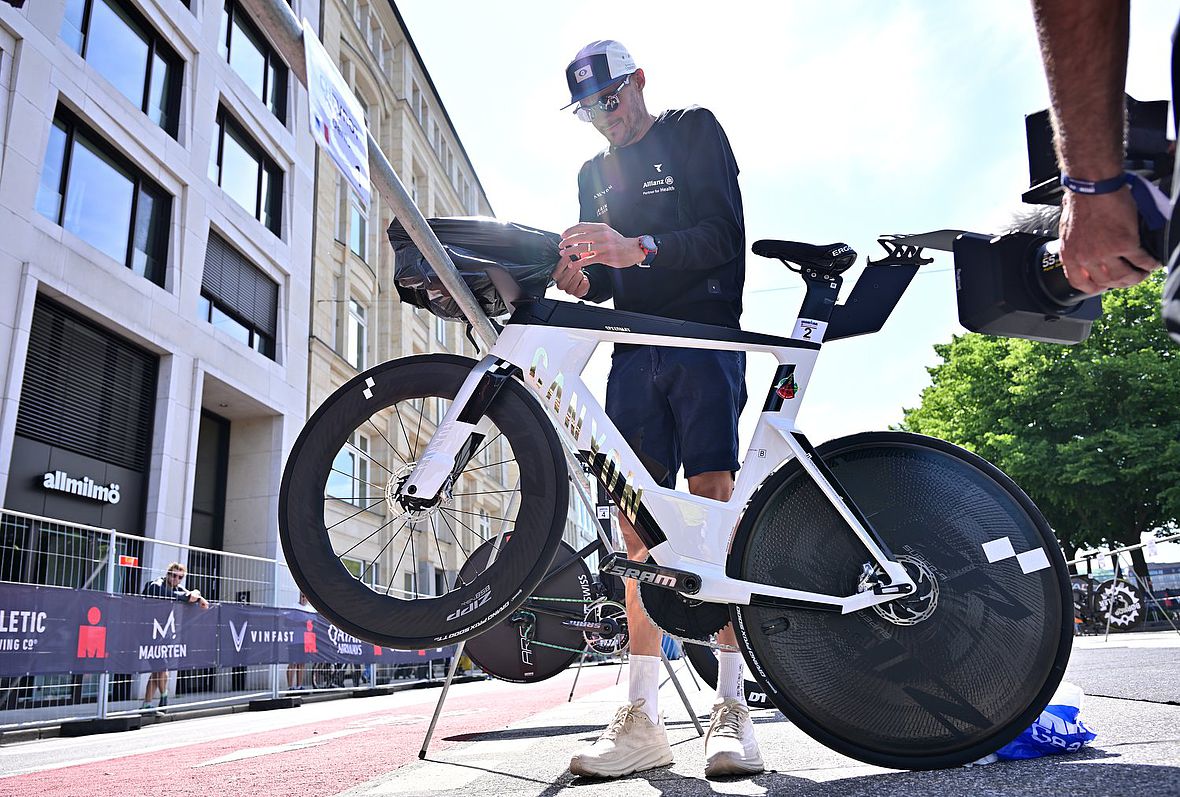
{"x": 456, "y": 439}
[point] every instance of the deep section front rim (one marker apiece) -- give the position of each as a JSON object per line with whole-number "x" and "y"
{"x": 395, "y": 406}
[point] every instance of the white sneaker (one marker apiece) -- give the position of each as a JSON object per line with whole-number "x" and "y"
{"x": 730, "y": 747}
{"x": 631, "y": 743}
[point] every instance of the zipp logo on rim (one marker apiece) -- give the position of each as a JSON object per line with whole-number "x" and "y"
{"x": 472, "y": 604}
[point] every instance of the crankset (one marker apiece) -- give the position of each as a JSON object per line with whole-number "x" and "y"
{"x": 682, "y": 616}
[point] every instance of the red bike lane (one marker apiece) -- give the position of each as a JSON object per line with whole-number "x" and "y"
{"x": 305, "y": 760}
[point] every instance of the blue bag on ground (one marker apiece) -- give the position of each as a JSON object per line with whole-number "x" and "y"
{"x": 1057, "y": 730}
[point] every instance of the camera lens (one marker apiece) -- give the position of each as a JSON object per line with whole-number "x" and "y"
{"x": 1048, "y": 277}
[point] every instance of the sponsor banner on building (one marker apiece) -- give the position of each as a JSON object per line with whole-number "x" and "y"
{"x": 336, "y": 116}
{"x": 48, "y": 630}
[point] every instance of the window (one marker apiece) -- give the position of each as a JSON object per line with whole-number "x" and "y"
{"x": 349, "y": 478}
{"x": 237, "y": 298}
{"x": 417, "y": 105}
{"x": 366, "y": 572}
{"x": 7, "y": 45}
{"x": 356, "y": 336}
{"x": 119, "y": 43}
{"x": 246, "y": 173}
{"x": 408, "y": 583}
{"x": 252, "y": 57}
{"x": 357, "y": 227}
{"x": 440, "y": 582}
{"x": 484, "y": 525}
{"x": 102, "y": 198}
{"x": 440, "y": 330}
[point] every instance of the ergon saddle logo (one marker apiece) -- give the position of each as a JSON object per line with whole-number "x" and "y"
{"x": 840, "y": 251}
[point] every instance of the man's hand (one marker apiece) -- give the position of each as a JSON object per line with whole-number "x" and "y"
{"x": 599, "y": 243}
{"x": 570, "y": 278}
{"x": 1100, "y": 242}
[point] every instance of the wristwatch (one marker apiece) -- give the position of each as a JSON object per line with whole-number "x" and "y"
{"x": 650, "y": 247}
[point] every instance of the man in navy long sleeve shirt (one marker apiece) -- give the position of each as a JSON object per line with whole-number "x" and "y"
{"x": 662, "y": 233}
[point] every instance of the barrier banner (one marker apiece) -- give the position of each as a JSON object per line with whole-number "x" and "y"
{"x": 249, "y": 635}
{"x": 50, "y": 630}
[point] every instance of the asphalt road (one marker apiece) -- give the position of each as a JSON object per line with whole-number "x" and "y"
{"x": 505, "y": 740}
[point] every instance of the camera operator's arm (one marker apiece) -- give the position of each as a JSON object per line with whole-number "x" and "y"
{"x": 1084, "y": 47}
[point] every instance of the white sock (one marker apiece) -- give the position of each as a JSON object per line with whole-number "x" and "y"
{"x": 730, "y": 685}
{"x": 643, "y": 682}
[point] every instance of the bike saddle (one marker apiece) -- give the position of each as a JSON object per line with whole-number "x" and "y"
{"x": 831, "y": 258}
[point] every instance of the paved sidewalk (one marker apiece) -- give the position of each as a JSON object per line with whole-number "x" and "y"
{"x": 1129, "y": 681}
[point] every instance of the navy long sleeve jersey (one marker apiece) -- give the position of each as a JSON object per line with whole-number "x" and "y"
{"x": 679, "y": 184}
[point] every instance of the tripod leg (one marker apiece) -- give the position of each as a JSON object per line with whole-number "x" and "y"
{"x": 683, "y": 697}
{"x": 577, "y": 675}
{"x": 441, "y": 699}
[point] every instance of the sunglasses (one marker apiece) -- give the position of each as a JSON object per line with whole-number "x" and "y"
{"x": 607, "y": 104}
{"x": 174, "y": 574}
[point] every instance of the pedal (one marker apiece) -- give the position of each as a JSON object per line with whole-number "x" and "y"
{"x": 664, "y": 577}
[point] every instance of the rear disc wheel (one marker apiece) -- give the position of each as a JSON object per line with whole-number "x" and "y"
{"x": 935, "y": 679}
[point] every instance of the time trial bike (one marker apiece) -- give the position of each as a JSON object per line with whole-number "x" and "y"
{"x": 897, "y": 597}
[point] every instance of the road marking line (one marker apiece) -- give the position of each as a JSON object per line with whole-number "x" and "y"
{"x": 256, "y": 752}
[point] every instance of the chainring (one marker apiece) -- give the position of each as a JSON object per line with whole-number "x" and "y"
{"x": 681, "y": 616}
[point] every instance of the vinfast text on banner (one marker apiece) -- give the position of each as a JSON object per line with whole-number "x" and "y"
{"x": 337, "y": 119}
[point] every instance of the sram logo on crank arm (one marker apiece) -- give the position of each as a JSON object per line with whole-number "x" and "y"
{"x": 666, "y": 577}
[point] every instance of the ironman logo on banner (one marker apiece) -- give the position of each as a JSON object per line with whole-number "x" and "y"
{"x": 337, "y": 120}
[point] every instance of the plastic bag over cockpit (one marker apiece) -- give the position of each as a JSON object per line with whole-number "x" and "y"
{"x": 501, "y": 262}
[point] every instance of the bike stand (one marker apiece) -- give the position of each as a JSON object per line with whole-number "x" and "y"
{"x": 1150, "y": 596}
{"x": 578, "y": 674}
{"x": 608, "y": 546}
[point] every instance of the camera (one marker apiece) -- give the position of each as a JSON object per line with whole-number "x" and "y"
{"x": 1013, "y": 285}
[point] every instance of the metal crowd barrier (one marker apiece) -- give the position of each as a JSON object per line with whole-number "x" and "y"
{"x": 51, "y": 553}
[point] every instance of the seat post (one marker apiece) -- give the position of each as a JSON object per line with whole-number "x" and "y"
{"x": 822, "y": 291}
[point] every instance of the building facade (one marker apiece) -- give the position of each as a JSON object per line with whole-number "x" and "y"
{"x": 156, "y": 206}
{"x": 357, "y": 320}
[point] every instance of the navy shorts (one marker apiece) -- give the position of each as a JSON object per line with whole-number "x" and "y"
{"x": 678, "y": 407}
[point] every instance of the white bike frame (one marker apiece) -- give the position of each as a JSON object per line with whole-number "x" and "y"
{"x": 699, "y": 530}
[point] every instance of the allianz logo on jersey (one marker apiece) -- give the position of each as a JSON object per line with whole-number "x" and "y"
{"x": 661, "y": 181}
{"x": 85, "y": 487}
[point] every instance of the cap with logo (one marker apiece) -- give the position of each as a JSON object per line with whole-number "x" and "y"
{"x": 596, "y": 67}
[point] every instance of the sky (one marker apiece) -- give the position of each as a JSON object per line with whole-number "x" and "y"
{"x": 848, "y": 120}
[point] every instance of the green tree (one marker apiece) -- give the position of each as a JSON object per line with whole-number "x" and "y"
{"x": 1091, "y": 432}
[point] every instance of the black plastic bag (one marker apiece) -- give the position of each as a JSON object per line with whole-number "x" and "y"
{"x": 501, "y": 262}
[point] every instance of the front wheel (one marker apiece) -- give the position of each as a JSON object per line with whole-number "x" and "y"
{"x": 385, "y": 568}
{"x": 936, "y": 679}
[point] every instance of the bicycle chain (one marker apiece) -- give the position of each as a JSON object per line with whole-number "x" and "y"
{"x": 708, "y": 643}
